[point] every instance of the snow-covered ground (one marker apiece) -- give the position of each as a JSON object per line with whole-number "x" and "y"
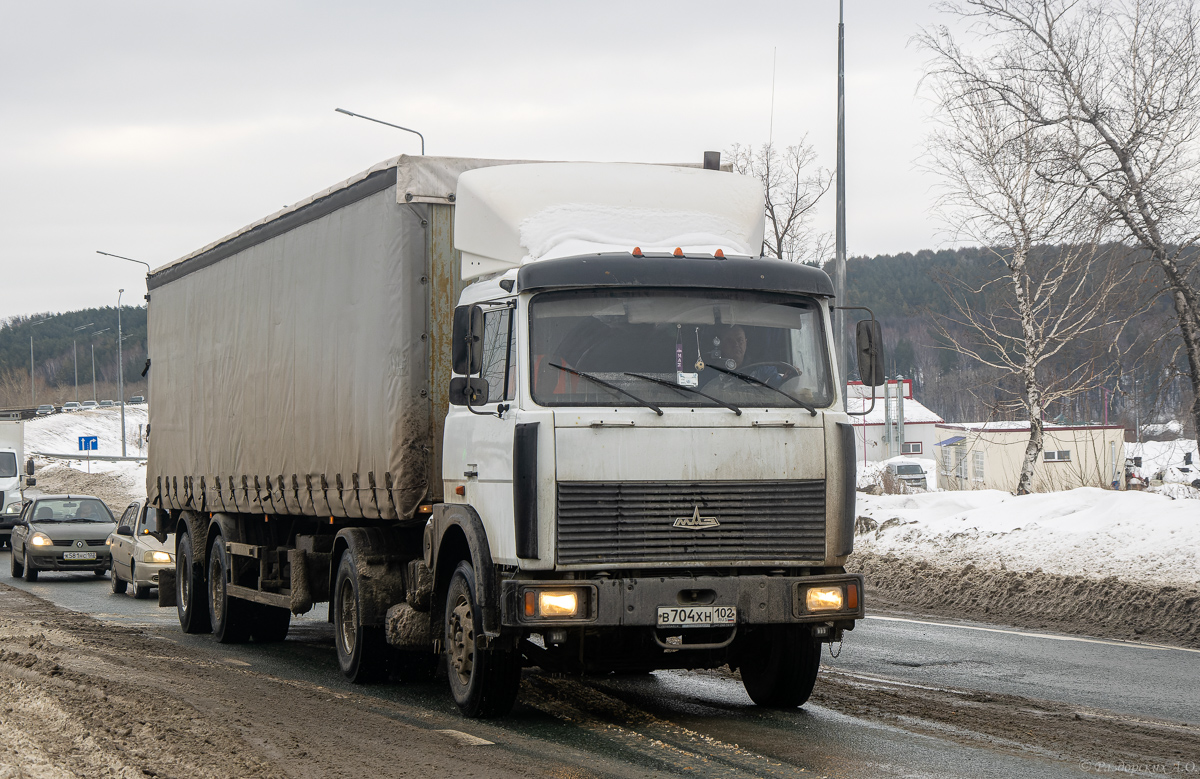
{"x": 60, "y": 433}
{"x": 1137, "y": 536}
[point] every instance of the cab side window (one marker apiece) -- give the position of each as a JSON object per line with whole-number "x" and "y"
{"x": 499, "y": 354}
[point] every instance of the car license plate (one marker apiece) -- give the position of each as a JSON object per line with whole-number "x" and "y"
{"x": 79, "y": 555}
{"x": 696, "y": 616}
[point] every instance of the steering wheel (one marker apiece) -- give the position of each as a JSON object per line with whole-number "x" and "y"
{"x": 785, "y": 370}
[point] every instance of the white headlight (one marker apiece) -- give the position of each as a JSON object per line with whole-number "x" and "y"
{"x": 40, "y": 539}
{"x": 157, "y": 557}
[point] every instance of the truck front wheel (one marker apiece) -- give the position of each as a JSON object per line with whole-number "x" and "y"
{"x": 191, "y": 603}
{"x": 779, "y": 666}
{"x": 362, "y": 649}
{"x": 484, "y": 682}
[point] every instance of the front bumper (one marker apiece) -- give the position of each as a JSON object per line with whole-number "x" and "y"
{"x": 760, "y": 600}
{"x": 52, "y": 559}
{"x": 146, "y": 574}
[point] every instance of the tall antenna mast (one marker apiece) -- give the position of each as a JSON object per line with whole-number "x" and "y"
{"x": 771, "y": 128}
{"x": 839, "y": 260}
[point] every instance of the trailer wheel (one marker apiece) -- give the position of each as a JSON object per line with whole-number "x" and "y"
{"x": 779, "y": 668}
{"x": 117, "y": 583}
{"x": 271, "y": 624}
{"x": 15, "y": 569}
{"x": 230, "y": 616}
{"x": 484, "y": 682}
{"x": 362, "y": 649}
{"x": 191, "y": 603}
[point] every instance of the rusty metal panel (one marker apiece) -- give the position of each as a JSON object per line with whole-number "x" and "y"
{"x": 443, "y": 286}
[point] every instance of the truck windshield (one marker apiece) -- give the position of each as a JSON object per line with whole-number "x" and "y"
{"x": 675, "y": 336}
{"x": 8, "y": 465}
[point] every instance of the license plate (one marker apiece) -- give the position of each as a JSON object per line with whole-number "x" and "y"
{"x": 696, "y": 616}
{"x": 79, "y": 555}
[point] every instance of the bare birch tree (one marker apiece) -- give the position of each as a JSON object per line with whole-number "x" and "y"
{"x": 793, "y": 187}
{"x": 1055, "y": 285}
{"x": 1119, "y": 83}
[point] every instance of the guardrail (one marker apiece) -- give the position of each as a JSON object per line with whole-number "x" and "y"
{"x": 84, "y": 456}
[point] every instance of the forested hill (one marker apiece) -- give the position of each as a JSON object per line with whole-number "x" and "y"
{"x": 60, "y": 342}
{"x": 904, "y": 293}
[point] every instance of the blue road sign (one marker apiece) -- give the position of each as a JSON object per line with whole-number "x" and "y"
{"x": 89, "y": 443}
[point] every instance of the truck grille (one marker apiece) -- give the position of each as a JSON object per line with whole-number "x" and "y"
{"x": 635, "y": 522}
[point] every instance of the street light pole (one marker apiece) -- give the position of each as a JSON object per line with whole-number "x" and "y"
{"x": 839, "y": 260}
{"x": 120, "y": 371}
{"x": 380, "y": 121}
{"x": 32, "y": 389}
{"x": 75, "y": 357}
{"x": 127, "y": 259}
{"x": 98, "y": 332}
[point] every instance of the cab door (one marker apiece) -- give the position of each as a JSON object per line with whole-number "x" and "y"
{"x": 478, "y": 441}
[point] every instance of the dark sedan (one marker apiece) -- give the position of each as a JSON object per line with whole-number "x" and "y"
{"x": 62, "y": 533}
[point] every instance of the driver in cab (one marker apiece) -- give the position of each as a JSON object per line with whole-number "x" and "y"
{"x": 730, "y": 344}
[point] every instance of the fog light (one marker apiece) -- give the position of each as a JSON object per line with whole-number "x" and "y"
{"x": 823, "y": 599}
{"x": 557, "y": 604}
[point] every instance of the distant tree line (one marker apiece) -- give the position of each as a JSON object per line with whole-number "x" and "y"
{"x": 64, "y": 342}
{"x": 1145, "y": 379}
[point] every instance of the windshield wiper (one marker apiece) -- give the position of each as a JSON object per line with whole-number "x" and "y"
{"x": 612, "y": 387}
{"x": 675, "y": 386}
{"x": 745, "y": 377}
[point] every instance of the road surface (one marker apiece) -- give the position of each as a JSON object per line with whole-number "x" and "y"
{"x": 905, "y": 698}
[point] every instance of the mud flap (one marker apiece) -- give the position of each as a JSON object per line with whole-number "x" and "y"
{"x": 167, "y": 596}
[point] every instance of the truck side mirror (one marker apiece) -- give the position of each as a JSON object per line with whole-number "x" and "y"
{"x": 869, "y": 347}
{"x": 29, "y": 467}
{"x": 467, "y": 352}
{"x": 479, "y": 391}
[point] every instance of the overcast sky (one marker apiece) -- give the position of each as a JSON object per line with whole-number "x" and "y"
{"x": 150, "y": 129}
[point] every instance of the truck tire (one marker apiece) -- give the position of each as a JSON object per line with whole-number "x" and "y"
{"x": 362, "y": 649}
{"x": 484, "y": 682}
{"x": 15, "y": 569}
{"x": 271, "y": 624}
{"x": 779, "y": 668}
{"x": 141, "y": 592}
{"x": 230, "y": 616}
{"x": 118, "y": 584}
{"x": 191, "y": 596}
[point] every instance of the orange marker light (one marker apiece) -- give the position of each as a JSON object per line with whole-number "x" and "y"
{"x": 852, "y": 596}
{"x": 719, "y": 253}
{"x": 460, "y": 490}
{"x": 529, "y": 603}
{"x": 678, "y": 252}
{"x": 637, "y": 251}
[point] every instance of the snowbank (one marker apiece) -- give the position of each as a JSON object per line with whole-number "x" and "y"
{"x": 1137, "y": 536}
{"x": 117, "y": 483}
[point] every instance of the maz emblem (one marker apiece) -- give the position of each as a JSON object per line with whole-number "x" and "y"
{"x": 695, "y": 521}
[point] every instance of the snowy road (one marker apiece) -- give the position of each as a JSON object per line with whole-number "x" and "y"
{"x": 888, "y": 706}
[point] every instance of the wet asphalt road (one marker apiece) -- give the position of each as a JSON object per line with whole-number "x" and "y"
{"x": 670, "y": 723}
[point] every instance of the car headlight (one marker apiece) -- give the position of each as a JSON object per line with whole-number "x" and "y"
{"x": 12, "y": 508}
{"x": 40, "y": 539}
{"x": 156, "y": 557}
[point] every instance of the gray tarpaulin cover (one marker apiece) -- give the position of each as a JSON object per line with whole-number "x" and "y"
{"x": 288, "y": 377}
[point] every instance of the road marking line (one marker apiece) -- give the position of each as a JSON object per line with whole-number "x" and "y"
{"x": 1130, "y": 645}
{"x": 466, "y": 739}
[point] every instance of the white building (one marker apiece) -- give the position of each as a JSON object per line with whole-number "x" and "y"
{"x": 898, "y": 425}
{"x": 988, "y": 455}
